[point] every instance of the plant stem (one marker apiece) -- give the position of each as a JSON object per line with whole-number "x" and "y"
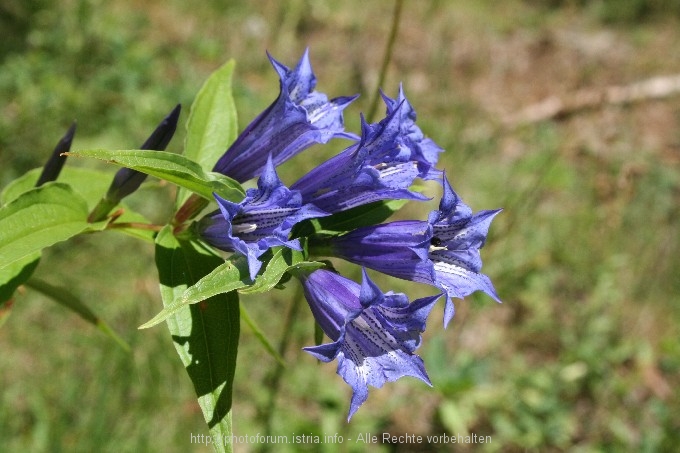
{"x": 396, "y": 18}
{"x": 277, "y": 372}
{"x": 135, "y": 225}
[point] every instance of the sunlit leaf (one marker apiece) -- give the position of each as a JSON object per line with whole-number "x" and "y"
{"x": 228, "y": 276}
{"x": 282, "y": 261}
{"x": 342, "y": 222}
{"x": 212, "y": 123}
{"x": 170, "y": 167}
{"x": 88, "y": 183}
{"x": 40, "y": 218}
{"x": 205, "y": 335}
{"x": 233, "y": 275}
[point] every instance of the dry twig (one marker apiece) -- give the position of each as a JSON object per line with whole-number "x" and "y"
{"x": 556, "y": 107}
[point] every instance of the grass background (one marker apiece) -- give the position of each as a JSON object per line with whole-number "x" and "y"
{"x": 583, "y": 354}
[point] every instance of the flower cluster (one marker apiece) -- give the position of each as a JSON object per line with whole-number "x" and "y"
{"x": 374, "y": 334}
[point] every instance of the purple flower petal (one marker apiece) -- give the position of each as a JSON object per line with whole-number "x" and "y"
{"x": 443, "y": 252}
{"x": 419, "y": 149}
{"x": 375, "y": 169}
{"x": 261, "y": 221}
{"x": 299, "y": 118}
{"x": 374, "y": 334}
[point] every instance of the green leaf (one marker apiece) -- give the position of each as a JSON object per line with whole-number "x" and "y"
{"x": 16, "y": 274}
{"x": 20, "y": 185}
{"x": 342, "y": 222}
{"x": 170, "y": 167}
{"x": 205, "y": 335}
{"x": 233, "y": 275}
{"x": 282, "y": 261}
{"x": 40, "y": 218}
{"x": 64, "y": 297}
{"x": 88, "y": 183}
{"x": 211, "y": 126}
{"x": 212, "y": 123}
{"x": 227, "y": 276}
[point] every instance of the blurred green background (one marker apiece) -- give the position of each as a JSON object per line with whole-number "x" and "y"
{"x": 583, "y": 354}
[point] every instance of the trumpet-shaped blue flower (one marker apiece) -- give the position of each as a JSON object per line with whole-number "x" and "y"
{"x": 374, "y": 334}
{"x": 299, "y": 118}
{"x": 382, "y": 166}
{"x": 262, "y": 220}
{"x": 443, "y": 252}
{"x": 416, "y": 147}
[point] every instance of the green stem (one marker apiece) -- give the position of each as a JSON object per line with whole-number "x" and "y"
{"x": 135, "y": 225}
{"x": 189, "y": 209}
{"x": 245, "y": 317}
{"x": 64, "y": 297}
{"x": 319, "y": 245}
{"x": 277, "y": 373}
{"x": 103, "y": 208}
{"x": 396, "y": 17}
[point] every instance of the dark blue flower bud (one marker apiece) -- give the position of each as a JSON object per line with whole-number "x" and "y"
{"x": 56, "y": 161}
{"x": 127, "y": 180}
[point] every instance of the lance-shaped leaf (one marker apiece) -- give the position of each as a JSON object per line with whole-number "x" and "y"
{"x": 282, "y": 261}
{"x": 212, "y": 122}
{"x": 225, "y": 277}
{"x": 40, "y": 218}
{"x": 88, "y": 183}
{"x": 206, "y": 334}
{"x": 69, "y": 300}
{"x": 233, "y": 275}
{"x": 15, "y": 274}
{"x": 342, "y": 222}
{"x": 170, "y": 167}
{"x": 20, "y": 271}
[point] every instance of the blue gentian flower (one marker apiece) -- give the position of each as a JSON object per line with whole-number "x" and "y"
{"x": 299, "y": 118}
{"x": 262, "y": 220}
{"x": 420, "y": 149}
{"x": 443, "y": 252}
{"x": 382, "y": 166}
{"x": 374, "y": 334}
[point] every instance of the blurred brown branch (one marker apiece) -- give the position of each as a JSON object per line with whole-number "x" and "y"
{"x": 556, "y": 107}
